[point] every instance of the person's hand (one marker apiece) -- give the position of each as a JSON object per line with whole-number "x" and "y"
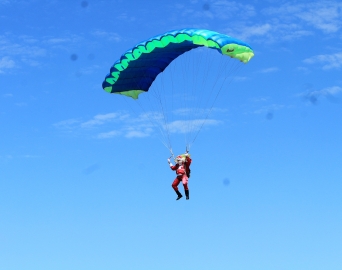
{"x": 168, "y": 161}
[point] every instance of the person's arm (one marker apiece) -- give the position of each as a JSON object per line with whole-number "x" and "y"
{"x": 171, "y": 165}
{"x": 188, "y": 160}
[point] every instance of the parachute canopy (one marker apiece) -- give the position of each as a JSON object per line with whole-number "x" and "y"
{"x": 138, "y": 67}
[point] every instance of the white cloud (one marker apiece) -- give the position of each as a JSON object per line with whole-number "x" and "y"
{"x": 30, "y": 156}
{"x": 108, "y": 135}
{"x": 125, "y": 17}
{"x": 255, "y": 30}
{"x": 269, "y": 108}
{"x": 269, "y": 32}
{"x": 58, "y": 40}
{"x": 101, "y": 119}
{"x": 17, "y": 54}
{"x": 325, "y": 92}
{"x": 6, "y": 158}
{"x": 322, "y": 15}
{"x": 269, "y": 70}
{"x": 145, "y": 125}
{"x": 109, "y": 35}
{"x": 21, "y": 104}
{"x": 303, "y": 69}
{"x": 260, "y": 99}
{"x": 329, "y": 60}
{"x": 6, "y": 63}
{"x": 218, "y": 9}
{"x": 185, "y": 126}
{"x": 67, "y": 124}
{"x": 11, "y": 48}
{"x": 325, "y": 16}
{"x": 330, "y": 91}
{"x": 11, "y": 157}
{"x": 240, "y": 78}
{"x": 133, "y": 133}
{"x": 88, "y": 70}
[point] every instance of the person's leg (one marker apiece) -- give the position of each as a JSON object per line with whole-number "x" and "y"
{"x": 175, "y": 187}
{"x": 185, "y": 185}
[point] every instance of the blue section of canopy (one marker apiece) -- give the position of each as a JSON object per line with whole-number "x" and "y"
{"x": 140, "y": 73}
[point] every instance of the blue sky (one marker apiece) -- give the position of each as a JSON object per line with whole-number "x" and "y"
{"x": 84, "y": 182}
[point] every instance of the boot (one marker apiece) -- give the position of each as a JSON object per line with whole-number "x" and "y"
{"x": 179, "y": 195}
{"x": 187, "y": 194}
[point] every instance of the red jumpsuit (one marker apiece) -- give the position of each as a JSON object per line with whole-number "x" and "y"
{"x": 181, "y": 171}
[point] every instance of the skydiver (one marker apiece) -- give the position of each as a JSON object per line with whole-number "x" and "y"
{"x": 182, "y": 168}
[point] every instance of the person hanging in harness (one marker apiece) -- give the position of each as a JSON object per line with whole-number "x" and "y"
{"x": 182, "y": 168}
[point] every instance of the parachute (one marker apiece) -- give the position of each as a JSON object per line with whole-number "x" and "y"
{"x": 168, "y": 69}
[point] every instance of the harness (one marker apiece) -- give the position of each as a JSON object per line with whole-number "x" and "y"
{"x": 182, "y": 169}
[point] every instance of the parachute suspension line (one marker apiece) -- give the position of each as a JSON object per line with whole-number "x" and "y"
{"x": 191, "y": 59}
{"x": 160, "y": 97}
{"x": 186, "y": 66}
{"x": 172, "y": 155}
{"x": 161, "y": 126}
{"x": 204, "y": 100}
{"x": 203, "y": 63}
{"x": 237, "y": 67}
{"x": 195, "y": 68}
{"x": 151, "y": 108}
{"x": 137, "y": 115}
{"x": 185, "y": 93}
{"x": 217, "y": 94}
{"x": 154, "y": 125}
{"x": 201, "y": 68}
{"x": 164, "y": 110}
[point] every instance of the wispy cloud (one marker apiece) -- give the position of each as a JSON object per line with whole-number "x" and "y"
{"x": 325, "y": 15}
{"x": 57, "y": 40}
{"x": 271, "y": 32}
{"x": 12, "y": 48}
{"x": 101, "y": 119}
{"x": 21, "y": 104}
{"x": 92, "y": 168}
{"x": 88, "y": 70}
{"x": 322, "y": 15}
{"x": 109, "y": 134}
{"x": 18, "y": 52}
{"x": 30, "y": 156}
{"x": 269, "y": 70}
{"x": 260, "y": 99}
{"x": 240, "y": 78}
{"x": 303, "y": 69}
{"x": 290, "y": 21}
{"x": 67, "y": 124}
{"x": 248, "y": 32}
{"x": 14, "y": 157}
{"x": 108, "y": 35}
{"x": 186, "y": 126}
{"x": 126, "y": 17}
{"x": 135, "y": 132}
{"x": 269, "y": 108}
{"x": 6, "y": 63}
{"x": 217, "y": 9}
{"x": 329, "y": 61}
{"x": 330, "y": 93}
{"x": 117, "y": 124}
